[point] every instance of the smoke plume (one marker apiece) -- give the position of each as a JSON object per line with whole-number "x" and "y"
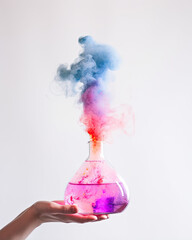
{"x": 89, "y": 76}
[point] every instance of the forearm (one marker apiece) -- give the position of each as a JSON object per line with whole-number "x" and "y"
{"x": 21, "y": 226}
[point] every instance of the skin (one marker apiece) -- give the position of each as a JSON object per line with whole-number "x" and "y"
{"x": 44, "y": 212}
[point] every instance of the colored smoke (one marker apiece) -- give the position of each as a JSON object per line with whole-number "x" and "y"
{"x": 89, "y": 76}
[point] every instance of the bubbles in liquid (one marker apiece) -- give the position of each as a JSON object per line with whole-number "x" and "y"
{"x": 97, "y": 198}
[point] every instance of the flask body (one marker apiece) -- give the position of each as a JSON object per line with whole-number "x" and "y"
{"x": 96, "y": 188}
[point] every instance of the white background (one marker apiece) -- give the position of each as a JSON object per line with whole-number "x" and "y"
{"x": 41, "y": 141}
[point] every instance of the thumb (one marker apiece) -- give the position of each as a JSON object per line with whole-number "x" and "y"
{"x": 66, "y": 209}
{"x": 70, "y": 209}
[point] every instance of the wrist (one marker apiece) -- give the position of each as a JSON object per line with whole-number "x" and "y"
{"x": 35, "y": 215}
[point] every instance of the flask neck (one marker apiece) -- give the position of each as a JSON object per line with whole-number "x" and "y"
{"x": 95, "y": 151}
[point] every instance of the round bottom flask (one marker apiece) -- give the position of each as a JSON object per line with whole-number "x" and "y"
{"x": 96, "y": 188}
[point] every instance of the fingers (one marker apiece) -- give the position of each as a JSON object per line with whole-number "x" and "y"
{"x": 65, "y": 213}
{"x": 81, "y": 218}
{"x": 88, "y": 218}
{"x": 102, "y": 217}
{"x": 63, "y": 209}
{"x": 78, "y": 218}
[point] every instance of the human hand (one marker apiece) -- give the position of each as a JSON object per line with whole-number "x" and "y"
{"x": 56, "y": 211}
{"x": 42, "y": 212}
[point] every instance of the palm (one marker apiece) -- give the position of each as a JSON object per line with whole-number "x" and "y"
{"x": 58, "y": 212}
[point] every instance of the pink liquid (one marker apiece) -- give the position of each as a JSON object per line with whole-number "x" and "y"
{"x": 97, "y": 198}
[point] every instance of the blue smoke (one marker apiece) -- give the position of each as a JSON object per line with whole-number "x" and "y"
{"x": 91, "y": 66}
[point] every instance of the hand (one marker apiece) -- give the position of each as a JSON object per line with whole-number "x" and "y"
{"x": 42, "y": 212}
{"x": 56, "y": 211}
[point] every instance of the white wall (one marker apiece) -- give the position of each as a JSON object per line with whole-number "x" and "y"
{"x": 39, "y": 128}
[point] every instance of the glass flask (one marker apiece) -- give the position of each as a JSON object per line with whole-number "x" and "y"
{"x": 96, "y": 188}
